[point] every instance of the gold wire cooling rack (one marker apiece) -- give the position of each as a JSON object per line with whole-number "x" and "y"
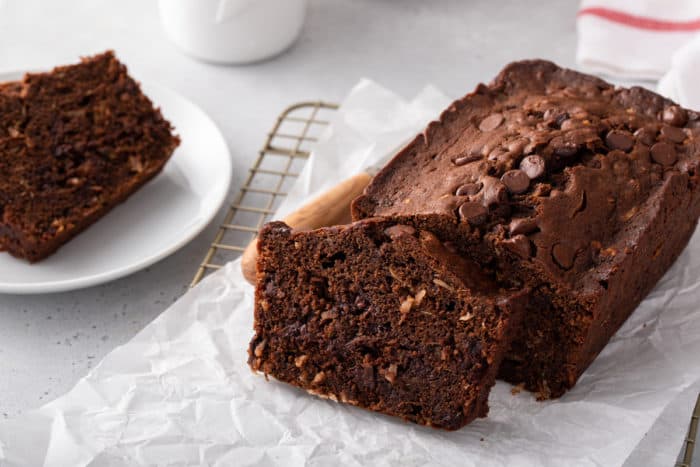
{"x": 279, "y": 162}
{"x": 277, "y": 166}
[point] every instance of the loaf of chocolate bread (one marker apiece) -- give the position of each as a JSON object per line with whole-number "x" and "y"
{"x": 382, "y": 316}
{"x": 74, "y": 142}
{"x": 561, "y": 183}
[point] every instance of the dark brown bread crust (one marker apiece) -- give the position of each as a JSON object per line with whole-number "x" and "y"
{"x": 558, "y": 181}
{"x": 381, "y": 316}
{"x": 74, "y": 143}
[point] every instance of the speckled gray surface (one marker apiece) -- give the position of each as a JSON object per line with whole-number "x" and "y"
{"x": 48, "y": 342}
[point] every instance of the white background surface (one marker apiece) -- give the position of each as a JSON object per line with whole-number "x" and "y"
{"x": 48, "y": 342}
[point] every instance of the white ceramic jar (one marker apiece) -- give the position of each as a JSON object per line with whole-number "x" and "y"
{"x": 232, "y": 31}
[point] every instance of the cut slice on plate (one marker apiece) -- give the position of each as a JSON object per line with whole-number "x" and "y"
{"x": 74, "y": 143}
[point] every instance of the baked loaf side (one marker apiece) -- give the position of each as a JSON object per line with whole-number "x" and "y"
{"x": 84, "y": 138}
{"x": 381, "y": 316}
{"x": 560, "y": 182}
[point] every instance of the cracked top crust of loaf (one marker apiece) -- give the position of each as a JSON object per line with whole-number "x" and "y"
{"x": 556, "y": 167}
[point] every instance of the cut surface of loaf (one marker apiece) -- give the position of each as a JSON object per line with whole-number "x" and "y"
{"x": 74, "y": 142}
{"x": 559, "y": 182}
{"x": 381, "y": 316}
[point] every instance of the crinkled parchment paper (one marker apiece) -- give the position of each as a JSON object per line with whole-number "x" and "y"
{"x": 181, "y": 393}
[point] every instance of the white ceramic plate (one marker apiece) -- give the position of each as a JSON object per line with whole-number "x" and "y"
{"x": 157, "y": 220}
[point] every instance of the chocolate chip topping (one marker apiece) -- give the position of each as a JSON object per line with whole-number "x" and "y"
{"x": 563, "y": 148}
{"x": 473, "y": 212}
{"x": 555, "y": 117}
{"x": 533, "y": 166}
{"x": 522, "y": 226}
{"x": 674, "y": 115}
{"x": 495, "y": 192}
{"x": 563, "y": 255}
{"x": 516, "y": 147}
{"x": 663, "y": 153}
{"x": 672, "y": 133}
{"x": 491, "y": 122}
{"x": 619, "y": 139}
{"x": 469, "y": 189}
{"x": 462, "y": 160}
{"x": 398, "y": 230}
{"x": 555, "y": 182}
{"x": 646, "y": 135}
{"x": 516, "y": 181}
{"x": 570, "y": 124}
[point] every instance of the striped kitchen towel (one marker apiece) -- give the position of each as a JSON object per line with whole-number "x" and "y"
{"x": 634, "y": 39}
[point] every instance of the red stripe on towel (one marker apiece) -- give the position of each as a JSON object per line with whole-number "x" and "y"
{"x": 641, "y": 22}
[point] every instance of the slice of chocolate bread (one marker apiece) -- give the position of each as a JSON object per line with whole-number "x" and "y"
{"x": 560, "y": 182}
{"x": 11, "y": 110}
{"x": 74, "y": 143}
{"x": 381, "y": 316}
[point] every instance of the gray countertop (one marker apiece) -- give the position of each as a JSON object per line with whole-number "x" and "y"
{"x": 47, "y": 342}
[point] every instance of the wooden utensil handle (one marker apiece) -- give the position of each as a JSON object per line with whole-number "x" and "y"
{"x": 329, "y": 208}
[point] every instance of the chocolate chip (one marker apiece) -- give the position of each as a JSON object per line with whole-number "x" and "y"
{"x": 646, "y": 135}
{"x": 473, "y": 212}
{"x": 520, "y": 245}
{"x": 561, "y": 118}
{"x": 618, "y": 139}
{"x": 462, "y": 160}
{"x": 672, "y": 133}
{"x": 563, "y": 255}
{"x": 516, "y": 181}
{"x": 563, "y": 148}
{"x": 517, "y": 146}
{"x": 533, "y": 166}
{"x": 522, "y": 226}
{"x": 663, "y": 153}
{"x": 549, "y": 114}
{"x": 675, "y": 115}
{"x": 469, "y": 189}
{"x": 398, "y": 230}
{"x": 491, "y": 122}
{"x": 570, "y": 124}
{"x": 495, "y": 192}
